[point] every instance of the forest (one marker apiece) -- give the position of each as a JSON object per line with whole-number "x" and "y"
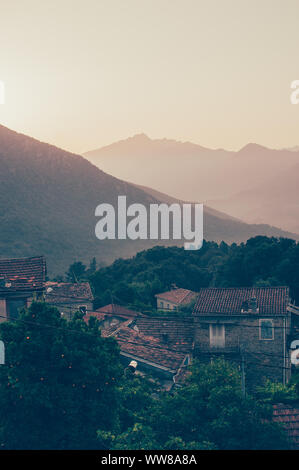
{"x": 261, "y": 261}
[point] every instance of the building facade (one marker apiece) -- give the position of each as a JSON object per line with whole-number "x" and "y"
{"x": 174, "y": 299}
{"x": 249, "y": 326}
{"x": 69, "y": 298}
{"x": 21, "y": 281}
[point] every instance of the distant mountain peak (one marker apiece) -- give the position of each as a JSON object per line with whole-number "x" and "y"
{"x": 252, "y": 147}
{"x": 142, "y": 137}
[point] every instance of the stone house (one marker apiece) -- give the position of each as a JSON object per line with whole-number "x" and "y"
{"x": 249, "y": 326}
{"x": 142, "y": 339}
{"x": 174, "y": 299}
{"x": 69, "y": 298}
{"x": 21, "y": 281}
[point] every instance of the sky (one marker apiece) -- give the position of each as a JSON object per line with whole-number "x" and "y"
{"x": 83, "y": 74}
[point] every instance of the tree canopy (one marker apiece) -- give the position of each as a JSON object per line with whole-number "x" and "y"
{"x": 208, "y": 412}
{"x": 262, "y": 261}
{"x": 59, "y": 383}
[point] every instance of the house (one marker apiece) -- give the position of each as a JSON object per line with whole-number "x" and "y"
{"x": 165, "y": 361}
{"x": 21, "y": 281}
{"x": 288, "y": 416}
{"x": 250, "y": 326}
{"x": 175, "y": 333}
{"x": 174, "y": 299}
{"x": 112, "y": 315}
{"x": 152, "y": 356}
{"x": 69, "y": 298}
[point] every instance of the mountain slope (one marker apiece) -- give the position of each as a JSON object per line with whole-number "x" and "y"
{"x": 48, "y": 199}
{"x": 189, "y": 171}
{"x": 241, "y": 183}
{"x": 276, "y": 202}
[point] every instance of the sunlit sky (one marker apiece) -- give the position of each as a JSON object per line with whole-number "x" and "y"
{"x": 82, "y": 74}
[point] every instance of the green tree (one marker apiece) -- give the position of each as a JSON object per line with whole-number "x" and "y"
{"x": 208, "y": 412}
{"x": 76, "y": 272}
{"x": 262, "y": 261}
{"x": 211, "y": 408}
{"x": 92, "y": 267}
{"x": 272, "y": 392}
{"x": 59, "y": 381}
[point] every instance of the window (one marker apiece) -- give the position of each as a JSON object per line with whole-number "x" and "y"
{"x": 161, "y": 304}
{"x": 83, "y": 309}
{"x": 217, "y": 336}
{"x": 168, "y": 306}
{"x": 266, "y": 330}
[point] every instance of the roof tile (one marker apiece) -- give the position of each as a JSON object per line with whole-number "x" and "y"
{"x": 270, "y": 300}
{"x": 22, "y": 274}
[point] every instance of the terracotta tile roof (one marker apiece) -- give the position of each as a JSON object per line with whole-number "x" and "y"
{"x": 147, "y": 348}
{"x": 288, "y": 416}
{"x": 67, "y": 292}
{"x": 114, "y": 316}
{"x": 270, "y": 300}
{"x": 99, "y": 316}
{"x": 177, "y": 296}
{"x": 118, "y": 310}
{"x": 22, "y": 274}
{"x": 178, "y": 333}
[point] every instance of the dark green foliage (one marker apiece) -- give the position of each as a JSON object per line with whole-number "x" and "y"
{"x": 76, "y": 272}
{"x": 59, "y": 383}
{"x": 209, "y": 412}
{"x": 260, "y": 261}
{"x": 272, "y": 392}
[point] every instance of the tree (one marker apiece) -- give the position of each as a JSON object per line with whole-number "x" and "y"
{"x": 59, "y": 381}
{"x": 92, "y": 267}
{"x": 211, "y": 408}
{"x": 136, "y": 399}
{"x": 76, "y": 272}
{"x": 273, "y": 392}
{"x": 262, "y": 261}
{"x": 209, "y": 412}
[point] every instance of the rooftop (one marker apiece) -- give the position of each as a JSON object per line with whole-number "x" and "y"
{"x": 118, "y": 310}
{"x": 140, "y": 336}
{"x": 22, "y": 274}
{"x": 148, "y": 348}
{"x": 177, "y": 333}
{"x": 270, "y": 300}
{"x": 67, "y": 292}
{"x": 178, "y": 296}
{"x": 288, "y": 416}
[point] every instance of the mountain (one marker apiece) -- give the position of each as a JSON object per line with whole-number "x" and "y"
{"x": 166, "y": 165}
{"x": 47, "y": 204}
{"x": 276, "y": 202}
{"x": 171, "y": 200}
{"x": 294, "y": 149}
{"x": 222, "y": 179}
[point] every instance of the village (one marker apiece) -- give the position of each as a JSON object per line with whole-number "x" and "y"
{"x": 253, "y": 327}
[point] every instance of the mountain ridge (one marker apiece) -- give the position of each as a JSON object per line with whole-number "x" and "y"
{"x": 216, "y": 177}
{"x": 48, "y": 198}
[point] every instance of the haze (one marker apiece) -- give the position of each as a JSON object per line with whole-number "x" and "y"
{"x": 83, "y": 74}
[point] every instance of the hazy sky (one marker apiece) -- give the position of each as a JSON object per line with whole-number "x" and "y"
{"x": 82, "y": 74}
